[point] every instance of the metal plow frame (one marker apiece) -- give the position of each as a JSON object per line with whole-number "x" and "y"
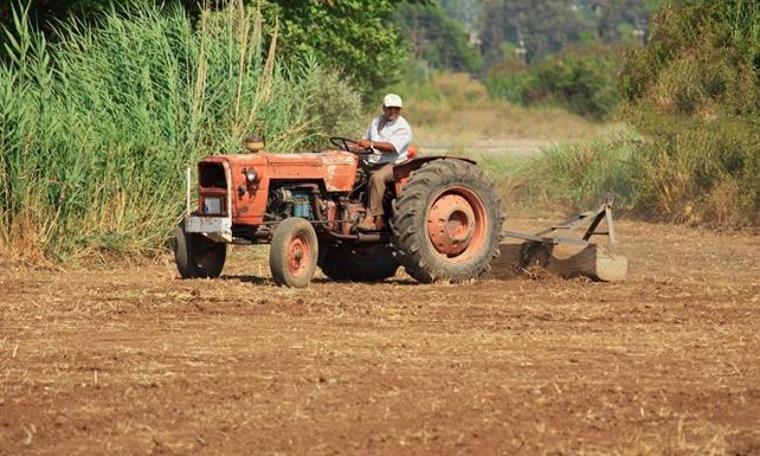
{"x": 604, "y": 212}
{"x": 585, "y": 258}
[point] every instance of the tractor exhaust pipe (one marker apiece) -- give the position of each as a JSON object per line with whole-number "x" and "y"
{"x": 382, "y": 236}
{"x": 187, "y": 189}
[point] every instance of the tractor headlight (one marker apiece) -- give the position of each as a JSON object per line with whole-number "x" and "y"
{"x": 251, "y": 177}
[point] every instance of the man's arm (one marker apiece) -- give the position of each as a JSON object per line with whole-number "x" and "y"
{"x": 399, "y": 140}
{"x": 383, "y": 146}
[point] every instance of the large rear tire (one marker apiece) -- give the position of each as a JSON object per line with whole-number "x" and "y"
{"x": 196, "y": 256}
{"x": 344, "y": 264}
{"x": 447, "y": 222}
{"x": 293, "y": 253}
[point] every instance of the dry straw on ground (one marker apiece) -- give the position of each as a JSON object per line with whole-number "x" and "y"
{"x": 132, "y": 360}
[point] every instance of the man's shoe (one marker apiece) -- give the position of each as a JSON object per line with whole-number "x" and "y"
{"x": 366, "y": 226}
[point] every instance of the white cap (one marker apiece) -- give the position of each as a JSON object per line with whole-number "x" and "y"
{"x": 392, "y": 101}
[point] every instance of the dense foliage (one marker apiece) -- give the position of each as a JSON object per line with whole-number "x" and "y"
{"x": 436, "y": 38}
{"x": 581, "y": 79}
{"x": 96, "y": 130}
{"x": 352, "y": 36}
{"x": 564, "y": 53}
{"x": 547, "y": 26}
{"x": 695, "y": 92}
{"x": 693, "y": 95}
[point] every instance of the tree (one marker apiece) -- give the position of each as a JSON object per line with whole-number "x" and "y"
{"x": 467, "y": 12}
{"x": 353, "y": 36}
{"x": 436, "y": 38}
{"x": 617, "y": 13}
{"x": 543, "y": 25}
{"x": 546, "y": 26}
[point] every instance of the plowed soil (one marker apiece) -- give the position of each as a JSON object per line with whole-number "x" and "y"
{"x": 131, "y": 360}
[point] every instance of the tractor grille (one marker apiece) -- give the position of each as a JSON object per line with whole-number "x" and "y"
{"x": 211, "y": 175}
{"x": 213, "y": 189}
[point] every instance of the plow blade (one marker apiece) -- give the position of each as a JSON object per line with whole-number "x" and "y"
{"x": 592, "y": 261}
{"x": 560, "y": 251}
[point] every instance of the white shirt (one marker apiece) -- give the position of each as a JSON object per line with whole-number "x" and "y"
{"x": 398, "y": 133}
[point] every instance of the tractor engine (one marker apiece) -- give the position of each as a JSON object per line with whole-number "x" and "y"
{"x": 288, "y": 201}
{"x": 339, "y": 215}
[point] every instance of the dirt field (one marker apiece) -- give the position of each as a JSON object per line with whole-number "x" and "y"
{"x": 133, "y": 360}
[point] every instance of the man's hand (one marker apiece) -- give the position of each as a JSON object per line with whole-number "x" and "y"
{"x": 381, "y": 146}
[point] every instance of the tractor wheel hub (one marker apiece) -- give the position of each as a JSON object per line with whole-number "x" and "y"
{"x": 451, "y": 224}
{"x": 296, "y": 254}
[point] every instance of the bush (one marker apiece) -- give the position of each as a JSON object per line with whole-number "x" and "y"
{"x": 577, "y": 175}
{"x": 581, "y": 79}
{"x": 694, "y": 92}
{"x": 694, "y": 95}
{"x": 335, "y": 107}
{"x": 700, "y": 176}
{"x": 97, "y": 129}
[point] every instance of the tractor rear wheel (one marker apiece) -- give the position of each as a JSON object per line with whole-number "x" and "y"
{"x": 368, "y": 264}
{"x": 196, "y": 256}
{"x": 447, "y": 222}
{"x": 293, "y": 253}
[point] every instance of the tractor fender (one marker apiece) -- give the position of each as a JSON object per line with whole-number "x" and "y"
{"x": 402, "y": 170}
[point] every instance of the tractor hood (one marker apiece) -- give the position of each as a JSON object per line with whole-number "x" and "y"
{"x": 337, "y": 169}
{"x": 246, "y": 177}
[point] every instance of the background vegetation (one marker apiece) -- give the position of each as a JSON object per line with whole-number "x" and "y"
{"x": 695, "y": 93}
{"x": 693, "y": 96}
{"x": 103, "y": 103}
{"x": 353, "y": 37}
{"x": 435, "y": 38}
{"x": 98, "y": 127}
{"x": 581, "y": 79}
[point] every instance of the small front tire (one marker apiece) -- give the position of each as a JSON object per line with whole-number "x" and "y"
{"x": 196, "y": 256}
{"x": 293, "y": 253}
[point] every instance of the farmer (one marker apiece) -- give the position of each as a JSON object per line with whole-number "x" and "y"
{"x": 389, "y": 136}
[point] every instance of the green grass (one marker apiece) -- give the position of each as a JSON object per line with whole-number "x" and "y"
{"x": 698, "y": 177}
{"x": 97, "y": 129}
{"x": 570, "y": 176}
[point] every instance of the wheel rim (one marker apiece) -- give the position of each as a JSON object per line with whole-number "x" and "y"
{"x": 299, "y": 255}
{"x": 456, "y": 224}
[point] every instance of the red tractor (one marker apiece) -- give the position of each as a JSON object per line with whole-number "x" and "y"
{"x": 443, "y": 216}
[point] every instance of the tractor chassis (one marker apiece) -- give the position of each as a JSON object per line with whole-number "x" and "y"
{"x": 221, "y": 229}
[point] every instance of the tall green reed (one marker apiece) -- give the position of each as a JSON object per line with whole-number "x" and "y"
{"x": 96, "y": 129}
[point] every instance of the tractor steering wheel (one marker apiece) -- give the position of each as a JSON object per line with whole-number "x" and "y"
{"x": 343, "y": 144}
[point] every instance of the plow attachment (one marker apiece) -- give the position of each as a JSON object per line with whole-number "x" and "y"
{"x": 562, "y": 251}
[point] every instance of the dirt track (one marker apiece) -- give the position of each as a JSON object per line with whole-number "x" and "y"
{"x": 132, "y": 360}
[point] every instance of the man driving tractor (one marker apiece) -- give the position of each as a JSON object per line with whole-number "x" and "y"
{"x": 444, "y": 215}
{"x": 389, "y": 137}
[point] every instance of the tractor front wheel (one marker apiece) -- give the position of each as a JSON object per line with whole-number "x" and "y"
{"x": 293, "y": 253}
{"x": 447, "y": 222}
{"x": 196, "y": 256}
